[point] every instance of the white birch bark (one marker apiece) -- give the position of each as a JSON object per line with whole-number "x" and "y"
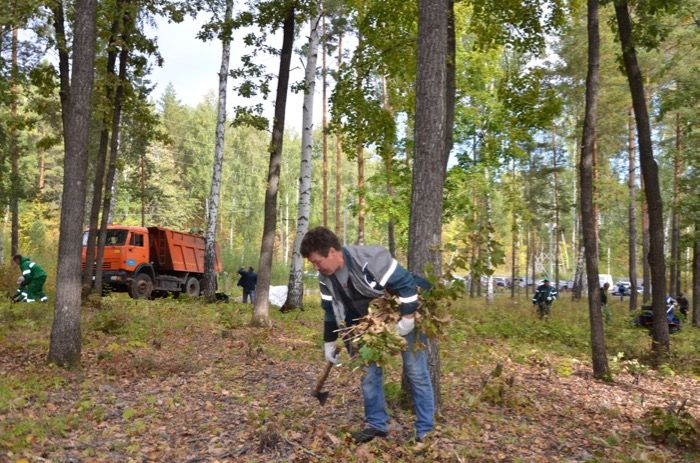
{"x": 215, "y": 193}
{"x": 295, "y": 291}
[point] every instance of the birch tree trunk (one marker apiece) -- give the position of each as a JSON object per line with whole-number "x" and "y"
{"x": 324, "y": 123}
{"x": 64, "y": 346}
{"x": 660, "y": 335}
{"x": 215, "y": 192}
{"x": 295, "y": 291}
{"x": 261, "y": 315}
{"x": 588, "y": 221}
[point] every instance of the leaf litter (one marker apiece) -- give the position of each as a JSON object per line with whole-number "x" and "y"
{"x": 196, "y": 395}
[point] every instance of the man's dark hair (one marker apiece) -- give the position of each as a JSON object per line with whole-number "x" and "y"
{"x": 251, "y": 269}
{"x": 17, "y": 258}
{"x": 320, "y": 240}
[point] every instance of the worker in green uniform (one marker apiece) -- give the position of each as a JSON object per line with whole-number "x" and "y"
{"x": 32, "y": 287}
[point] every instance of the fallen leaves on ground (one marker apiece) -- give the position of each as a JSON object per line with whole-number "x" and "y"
{"x": 196, "y": 395}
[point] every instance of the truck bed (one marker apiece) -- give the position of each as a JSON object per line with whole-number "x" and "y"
{"x": 175, "y": 251}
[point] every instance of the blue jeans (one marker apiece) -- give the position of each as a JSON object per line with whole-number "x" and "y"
{"x": 247, "y": 293}
{"x": 416, "y": 366}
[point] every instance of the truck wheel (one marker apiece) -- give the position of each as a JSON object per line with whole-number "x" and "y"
{"x": 141, "y": 287}
{"x": 192, "y": 287}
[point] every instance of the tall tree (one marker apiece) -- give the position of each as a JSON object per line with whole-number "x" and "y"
{"x": 324, "y": 122}
{"x": 261, "y": 313}
{"x": 696, "y": 275}
{"x": 430, "y": 153}
{"x": 338, "y": 156}
{"x": 98, "y": 181}
{"x": 64, "y": 348}
{"x": 652, "y": 190}
{"x": 674, "y": 278}
{"x": 588, "y": 220}
{"x": 225, "y": 30}
{"x": 632, "y": 213}
{"x": 108, "y": 197}
{"x": 14, "y": 146}
{"x": 295, "y": 292}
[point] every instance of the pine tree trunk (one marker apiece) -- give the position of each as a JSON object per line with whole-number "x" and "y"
{"x": 338, "y": 158}
{"x": 64, "y": 347}
{"x": 527, "y": 261}
{"x": 295, "y": 291}
{"x": 13, "y": 146}
{"x": 430, "y": 160}
{"x": 387, "y": 153}
{"x": 674, "y": 282}
{"x": 556, "y": 213}
{"x": 109, "y": 196}
{"x": 3, "y": 229}
{"x": 599, "y": 356}
{"x": 514, "y": 238}
{"x": 261, "y": 313}
{"x": 660, "y": 335}
{"x": 646, "y": 268}
{"x": 98, "y": 182}
{"x": 360, "y": 154}
{"x": 696, "y": 276}
{"x": 632, "y": 216}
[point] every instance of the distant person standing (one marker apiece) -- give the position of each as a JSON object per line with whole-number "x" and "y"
{"x": 543, "y": 298}
{"x": 33, "y": 279}
{"x": 604, "y": 302}
{"x": 621, "y": 290}
{"x": 248, "y": 281}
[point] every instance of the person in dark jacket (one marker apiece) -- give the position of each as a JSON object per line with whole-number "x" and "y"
{"x": 543, "y": 298}
{"x": 248, "y": 281}
{"x": 604, "y": 302}
{"x": 32, "y": 282}
{"x": 350, "y": 278}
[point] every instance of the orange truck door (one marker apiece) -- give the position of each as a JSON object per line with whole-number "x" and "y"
{"x": 136, "y": 250}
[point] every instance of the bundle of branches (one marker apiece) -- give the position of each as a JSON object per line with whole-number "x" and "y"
{"x": 374, "y": 336}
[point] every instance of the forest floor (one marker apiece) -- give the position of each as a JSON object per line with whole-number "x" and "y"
{"x": 182, "y": 381}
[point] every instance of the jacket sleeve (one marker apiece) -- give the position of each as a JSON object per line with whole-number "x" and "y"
{"x": 389, "y": 274}
{"x": 330, "y": 325}
{"x": 26, "y": 272}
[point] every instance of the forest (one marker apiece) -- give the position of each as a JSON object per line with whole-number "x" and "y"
{"x": 493, "y": 147}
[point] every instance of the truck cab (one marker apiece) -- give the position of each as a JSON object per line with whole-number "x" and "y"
{"x": 126, "y": 251}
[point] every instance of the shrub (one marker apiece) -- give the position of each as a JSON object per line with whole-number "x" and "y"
{"x": 674, "y": 425}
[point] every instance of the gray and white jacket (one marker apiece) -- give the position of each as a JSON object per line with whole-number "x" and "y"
{"x": 371, "y": 270}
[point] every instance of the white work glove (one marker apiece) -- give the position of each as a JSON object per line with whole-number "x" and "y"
{"x": 20, "y": 280}
{"x": 549, "y": 299}
{"x": 405, "y": 326}
{"x": 332, "y": 354}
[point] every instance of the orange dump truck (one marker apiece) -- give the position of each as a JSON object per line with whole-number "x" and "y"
{"x": 153, "y": 261}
